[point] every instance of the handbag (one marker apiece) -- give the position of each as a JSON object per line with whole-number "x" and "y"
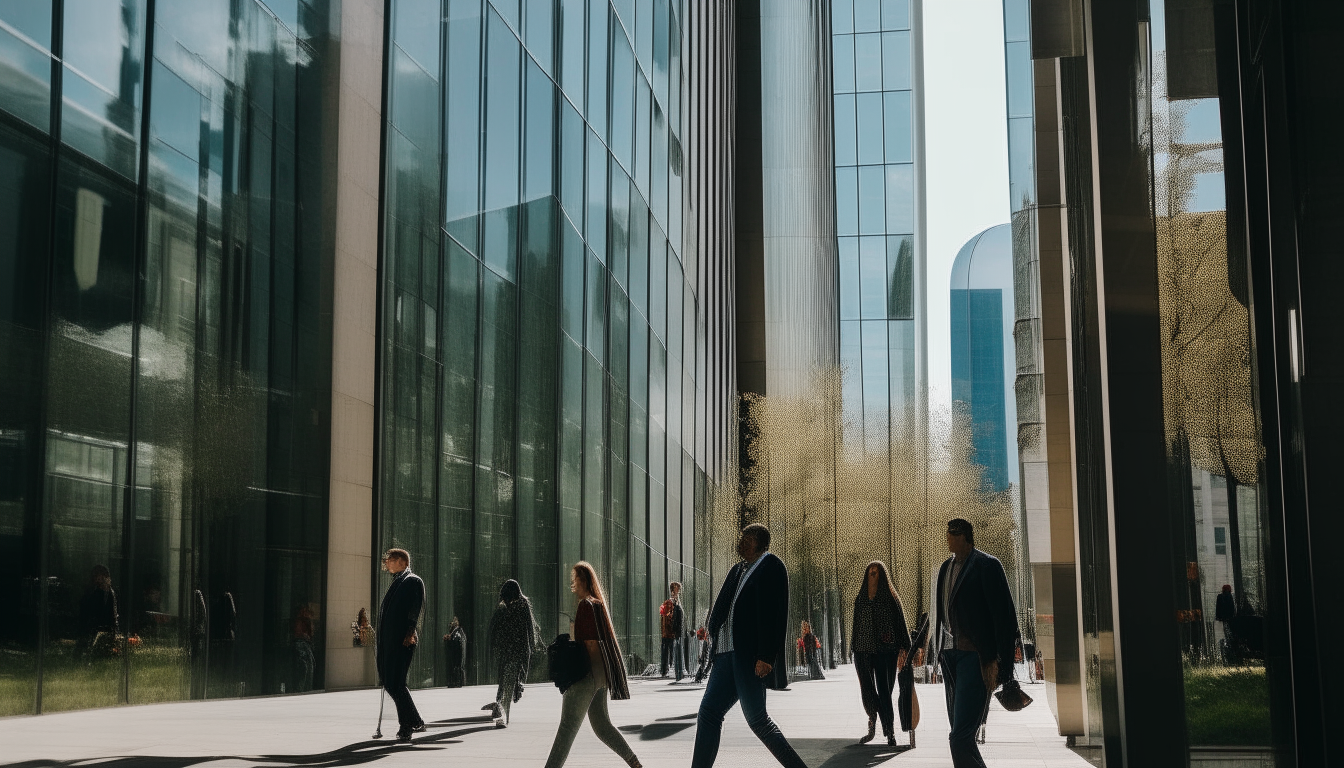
{"x": 566, "y": 662}
{"x": 1012, "y": 697}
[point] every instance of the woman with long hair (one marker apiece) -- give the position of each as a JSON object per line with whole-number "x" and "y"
{"x": 514, "y": 634}
{"x": 606, "y": 673}
{"x": 880, "y": 641}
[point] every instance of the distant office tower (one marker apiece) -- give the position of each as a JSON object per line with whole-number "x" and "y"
{"x": 786, "y": 268}
{"x": 982, "y": 351}
{"x": 879, "y": 205}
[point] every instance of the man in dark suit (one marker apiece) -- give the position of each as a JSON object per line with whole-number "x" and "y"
{"x": 975, "y": 636}
{"x": 398, "y": 617}
{"x": 748, "y": 623}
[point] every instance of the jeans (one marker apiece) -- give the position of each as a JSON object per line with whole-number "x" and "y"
{"x": 586, "y": 698}
{"x": 671, "y": 657}
{"x": 877, "y": 678}
{"x": 396, "y": 664}
{"x": 967, "y": 703}
{"x": 734, "y": 679}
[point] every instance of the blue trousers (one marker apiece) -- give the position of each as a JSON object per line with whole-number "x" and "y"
{"x": 732, "y": 680}
{"x": 967, "y": 701}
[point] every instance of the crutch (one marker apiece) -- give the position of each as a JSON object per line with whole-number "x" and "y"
{"x": 378, "y": 734}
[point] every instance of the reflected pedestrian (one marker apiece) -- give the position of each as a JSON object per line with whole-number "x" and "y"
{"x": 976, "y": 627}
{"x": 673, "y": 626}
{"x": 514, "y": 635}
{"x": 704, "y": 658}
{"x": 749, "y": 624}
{"x": 605, "y": 678}
{"x": 455, "y": 649}
{"x": 880, "y": 640}
{"x": 398, "y": 620}
{"x": 808, "y": 648}
{"x": 99, "y": 617}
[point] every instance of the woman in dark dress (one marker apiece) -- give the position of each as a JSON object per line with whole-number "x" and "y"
{"x": 514, "y": 634}
{"x": 880, "y": 641}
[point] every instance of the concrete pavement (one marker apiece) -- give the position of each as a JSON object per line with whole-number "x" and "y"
{"x": 823, "y": 720}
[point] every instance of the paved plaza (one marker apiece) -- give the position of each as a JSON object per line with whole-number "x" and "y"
{"x": 823, "y": 720}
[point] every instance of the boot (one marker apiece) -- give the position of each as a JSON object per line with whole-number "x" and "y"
{"x": 891, "y": 738}
{"x": 872, "y": 730}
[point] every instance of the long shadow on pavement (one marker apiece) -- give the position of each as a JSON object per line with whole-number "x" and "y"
{"x": 658, "y": 729}
{"x": 359, "y": 753}
{"x": 844, "y": 753}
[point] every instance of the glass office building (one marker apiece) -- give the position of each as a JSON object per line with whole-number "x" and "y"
{"x": 879, "y": 208}
{"x": 554, "y": 338}
{"x": 983, "y": 367}
{"x": 164, "y": 342}
{"x": 286, "y": 283}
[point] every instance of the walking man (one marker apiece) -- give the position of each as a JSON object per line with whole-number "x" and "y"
{"x": 975, "y": 636}
{"x": 398, "y": 617}
{"x": 749, "y": 622}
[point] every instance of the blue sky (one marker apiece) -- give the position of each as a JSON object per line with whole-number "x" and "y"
{"x": 966, "y": 151}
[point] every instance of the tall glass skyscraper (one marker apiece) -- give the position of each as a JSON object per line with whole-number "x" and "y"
{"x": 879, "y": 205}
{"x": 553, "y": 340}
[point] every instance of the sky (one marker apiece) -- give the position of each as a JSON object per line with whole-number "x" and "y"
{"x": 965, "y": 151}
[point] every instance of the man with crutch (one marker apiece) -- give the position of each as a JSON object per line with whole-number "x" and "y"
{"x": 398, "y": 617}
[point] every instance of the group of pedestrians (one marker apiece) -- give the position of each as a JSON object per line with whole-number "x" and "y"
{"x": 743, "y": 649}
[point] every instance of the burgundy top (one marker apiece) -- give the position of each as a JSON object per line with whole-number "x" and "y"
{"x": 585, "y": 623}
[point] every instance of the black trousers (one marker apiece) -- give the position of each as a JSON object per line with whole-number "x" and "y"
{"x": 396, "y": 663}
{"x": 669, "y": 648}
{"x": 877, "y": 677}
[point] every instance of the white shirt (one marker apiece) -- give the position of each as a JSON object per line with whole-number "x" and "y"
{"x": 724, "y": 642}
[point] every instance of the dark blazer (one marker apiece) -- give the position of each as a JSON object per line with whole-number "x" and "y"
{"x": 399, "y": 613}
{"x": 761, "y": 618}
{"x": 983, "y": 607}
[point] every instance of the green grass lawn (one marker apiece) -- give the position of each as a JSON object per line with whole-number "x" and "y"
{"x": 1227, "y": 706}
{"x": 71, "y": 681}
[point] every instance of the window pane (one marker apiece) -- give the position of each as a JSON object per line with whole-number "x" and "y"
{"x": 900, "y": 198}
{"x": 540, "y": 133}
{"x": 896, "y": 62}
{"x": 869, "y": 109}
{"x": 895, "y": 14}
{"x": 622, "y": 99}
{"x": 571, "y": 51}
{"x": 847, "y": 201}
{"x": 572, "y": 139}
{"x": 540, "y": 32}
{"x": 639, "y": 255}
{"x": 868, "y": 62}
{"x": 846, "y": 131}
{"x": 896, "y": 124}
{"x": 842, "y": 16}
{"x": 849, "y": 278}
{"x": 867, "y": 16}
{"x": 462, "y": 116}
{"x": 597, "y": 68}
{"x": 843, "y": 58}
{"x": 871, "y": 200}
{"x": 900, "y": 277}
{"x": 596, "y": 229}
{"x": 596, "y": 329}
{"x": 501, "y": 143}
{"x": 873, "y": 277}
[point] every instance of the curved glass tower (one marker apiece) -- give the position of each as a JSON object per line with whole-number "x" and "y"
{"x": 983, "y": 364}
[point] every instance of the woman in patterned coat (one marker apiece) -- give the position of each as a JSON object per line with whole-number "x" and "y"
{"x": 514, "y": 635}
{"x": 880, "y": 641}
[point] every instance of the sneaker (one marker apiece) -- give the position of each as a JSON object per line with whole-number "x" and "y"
{"x": 404, "y": 736}
{"x": 418, "y": 729}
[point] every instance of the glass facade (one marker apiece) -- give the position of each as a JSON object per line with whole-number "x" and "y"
{"x": 879, "y": 210}
{"x": 164, "y": 409}
{"x": 554, "y": 336}
{"x": 982, "y": 352}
